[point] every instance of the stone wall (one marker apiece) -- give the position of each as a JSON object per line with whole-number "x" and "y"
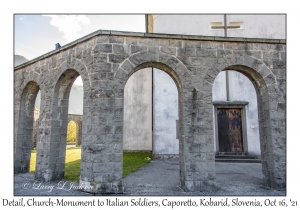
{"x": 105, "y": 60}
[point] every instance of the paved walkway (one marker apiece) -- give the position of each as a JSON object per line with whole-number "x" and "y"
{"x": 161, "y": 177}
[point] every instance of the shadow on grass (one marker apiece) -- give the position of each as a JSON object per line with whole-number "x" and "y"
{"x": 131, "y": 162}
{"x": 72, "y": 170}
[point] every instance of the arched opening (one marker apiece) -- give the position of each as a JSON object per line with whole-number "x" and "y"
{"x": 235, "y": 115}
{"x": 151, "y": 115}
{"x": 61, "y": 106}
{"x": 239, "y": 137}
{"x": 28, "y": 115}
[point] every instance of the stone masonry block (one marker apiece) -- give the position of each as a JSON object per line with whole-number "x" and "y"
{"x": 100, "y": 58}
{"x": 103, "y": 167}
{"x": 270, "y": 79}
{"x": 101, "y": 67}
{"x": 115, "y": 39}
{"x": 212, "y": 53}
{"x": 117, "y": 58}
{"x": 135, "y": 49}
{"x": 103, "y": 48}
{"x": 127, "y": 66}
{"x": 120, "y": 74}
{"x": 102, "y": 39}
{"x": 119, "y": 49}
{"x": 186, "y": 52}
{"x": 270, "y": 55}
{"x": 277, "y": 64}
{"x": 192, "y": 44}
{"x": 168, "y": 50}
{"x": 131, "y": 41}
{"x": 139, "y": 57}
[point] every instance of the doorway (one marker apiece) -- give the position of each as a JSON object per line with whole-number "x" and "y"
{"x": 230, "y": 135}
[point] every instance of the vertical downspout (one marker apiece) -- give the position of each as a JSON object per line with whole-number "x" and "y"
{"x": 227, "y": 73}
{"x": 146, "y": 23}
{"x": 152, "y": 113}
{"x": 225, "y": 25}
{"x": 227, "y": 86}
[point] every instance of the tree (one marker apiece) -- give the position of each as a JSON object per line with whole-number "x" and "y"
{"x": 71, "y": 134}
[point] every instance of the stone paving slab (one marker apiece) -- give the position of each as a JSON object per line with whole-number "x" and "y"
{"x": 161, "y": 177}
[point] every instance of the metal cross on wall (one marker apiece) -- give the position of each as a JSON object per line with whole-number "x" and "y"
{"x": 225, "y": 27}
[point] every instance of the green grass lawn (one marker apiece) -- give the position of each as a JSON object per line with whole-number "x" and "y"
{"x": 131, "y": 162}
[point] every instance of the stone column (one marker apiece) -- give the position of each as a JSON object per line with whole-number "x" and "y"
{"x": 198, "y": 138}
{"x": 102, "y": 136}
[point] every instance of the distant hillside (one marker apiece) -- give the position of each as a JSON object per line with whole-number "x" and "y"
{"x": 19, "y": 59}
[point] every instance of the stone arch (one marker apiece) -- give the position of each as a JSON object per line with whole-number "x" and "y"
{"x": 78, "y": 66}
{"x": 55, "y": 143}
{"x": 177, "y": 71}
{"x": 265, "y": 84}
{"x": 263, "y": 107}
{"x": 30, "y": 79}
{"x": 22, "y": 147}
{"x": 168, "y": 63}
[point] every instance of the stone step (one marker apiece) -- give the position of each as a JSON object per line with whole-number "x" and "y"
{"x": 238, "y": 158}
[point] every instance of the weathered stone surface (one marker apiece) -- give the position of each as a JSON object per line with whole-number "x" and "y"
{"x": 186, "y": 52}
{"x": 116, "y": 39}
{"x": 169, "y": 50}
{"x": 103, "y": 48}
{"x": 100, "y": 58}
{"x": 212, "y": 53}
{"x": 105, "y": 62}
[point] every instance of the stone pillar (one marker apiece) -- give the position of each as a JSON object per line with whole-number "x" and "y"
{"x": 25, "y": 128}
{"x": 102, "y": 136}
{"x": 199, "y": 146}
{"x": 51, "y": 148}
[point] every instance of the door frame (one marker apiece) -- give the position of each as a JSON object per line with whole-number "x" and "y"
{"x": 231, "y": 104}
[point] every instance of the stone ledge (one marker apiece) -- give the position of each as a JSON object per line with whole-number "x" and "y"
{"x": 241, "y": 103}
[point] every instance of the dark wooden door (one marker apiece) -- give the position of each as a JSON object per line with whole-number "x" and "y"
{"x": 230, "y": 130}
